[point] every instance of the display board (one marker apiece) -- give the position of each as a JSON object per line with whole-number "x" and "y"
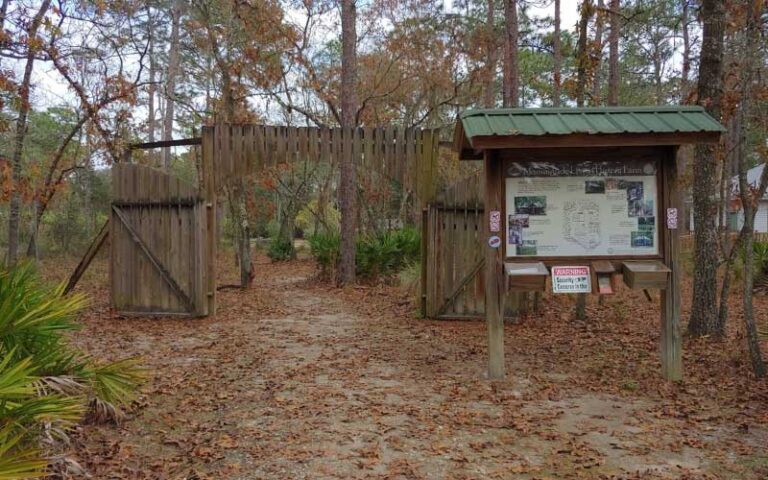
{"x": 587, "y": 208}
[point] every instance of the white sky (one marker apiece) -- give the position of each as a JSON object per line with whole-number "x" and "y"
{"x": 49, "y": 89}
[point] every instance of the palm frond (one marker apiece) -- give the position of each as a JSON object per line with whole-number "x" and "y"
{"x": 18, "y": 463}
{"x": 115, "y": 382}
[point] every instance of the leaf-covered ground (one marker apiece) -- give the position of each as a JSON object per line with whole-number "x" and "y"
{"x": 295, "y": 379}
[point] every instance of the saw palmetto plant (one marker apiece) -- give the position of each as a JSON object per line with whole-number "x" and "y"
{"x": 46, "y": 385}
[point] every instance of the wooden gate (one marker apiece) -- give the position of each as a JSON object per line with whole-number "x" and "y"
{"x": 158, "y": 234}
{"x": 452, "y": 279}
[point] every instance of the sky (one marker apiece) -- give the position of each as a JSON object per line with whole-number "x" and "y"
{"x": 50, "y": 89}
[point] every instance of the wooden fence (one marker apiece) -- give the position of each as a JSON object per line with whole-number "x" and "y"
{"x": 452, "y": 260}
{"x": 158, "y": 255}
{"x": 163, "y": 232}
{"x": 405, "y": 155}
{"x": 232, "y": 151}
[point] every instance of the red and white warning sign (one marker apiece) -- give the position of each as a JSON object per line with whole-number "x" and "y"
{"x": 571, "y": 280}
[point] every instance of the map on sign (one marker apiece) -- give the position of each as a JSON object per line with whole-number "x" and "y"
{"x": 581, "y": 223}
{"x": 591, "y": 208}
{"x": 571, "y": 280}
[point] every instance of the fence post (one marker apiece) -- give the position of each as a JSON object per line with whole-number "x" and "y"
{"x": 424, "y": 255}
{"x": 494, "y": 270}
{"x": 209, "y": 198}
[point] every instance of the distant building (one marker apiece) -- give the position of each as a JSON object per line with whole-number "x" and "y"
{"x": 761, "y": 217}
{"x": 733, "y": 217}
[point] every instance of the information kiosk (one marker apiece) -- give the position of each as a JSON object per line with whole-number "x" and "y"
{"x": 582, "y": 195}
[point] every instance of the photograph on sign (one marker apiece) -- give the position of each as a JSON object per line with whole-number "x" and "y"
{"x": 575, "y": 279}
{"x": 588, "y": 208}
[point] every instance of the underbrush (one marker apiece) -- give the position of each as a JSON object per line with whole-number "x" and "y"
{"x": 280, "y": 250}
{"x": 378, "y": 256}
{"x": 46, "y": 385}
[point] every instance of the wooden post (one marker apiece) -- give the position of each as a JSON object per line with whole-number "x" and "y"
{"x": 424, "y": 252}
{"x": 209, "y": 198}
{"x": 494, "y": 268}
{"x": 671, "y": 340}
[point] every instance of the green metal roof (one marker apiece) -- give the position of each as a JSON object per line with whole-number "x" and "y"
{"x": 532, "y": 122}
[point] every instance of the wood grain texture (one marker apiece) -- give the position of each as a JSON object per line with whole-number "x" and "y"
{"x": 671, "y": 342}
{"x": 156, "y": 237}
{"x": 494, "y": 271}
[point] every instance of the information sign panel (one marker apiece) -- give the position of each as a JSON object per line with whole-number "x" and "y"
{"x": 589, "y": 208}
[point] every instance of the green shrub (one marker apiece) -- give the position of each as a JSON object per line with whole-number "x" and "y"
{"x": 280, "y": 250}
{"x": 377, "y": 255}
{"x": 760, "y": 256}
{"x": 45, "y": 384}
{"x": 325, "y": 248}
{"x": 388, "y": 253}
{"x": 760, "y": 260}
{"x": 409, "y": 243}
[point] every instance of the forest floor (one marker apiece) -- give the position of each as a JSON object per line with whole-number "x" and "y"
{"x": 295, "y": 379}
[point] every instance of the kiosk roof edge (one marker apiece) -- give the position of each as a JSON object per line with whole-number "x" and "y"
{"x": 503, "y": 128}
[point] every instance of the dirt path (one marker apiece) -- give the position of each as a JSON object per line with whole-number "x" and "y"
{"x": 310, "y": 382}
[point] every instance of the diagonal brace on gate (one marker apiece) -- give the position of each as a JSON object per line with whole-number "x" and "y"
{"x": 464, "y": 282}
{"x": 154, "y": 260}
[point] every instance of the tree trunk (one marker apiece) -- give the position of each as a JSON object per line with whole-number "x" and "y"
{"x": 749, "y": 199}
{"x": 613, "y": 54}
{"x": 657, "y": 80}
{"x": 3, "y": 14}
{"x": 704, "y": 318}
{"x": 45, "y": 196}
{"x": 491, "y": 57}
{"x": 239, "y": 197}
{"x": 511, "y": 73}
{"x": 599, "y": 22}
{"x": 558, "y": 58}
{"x": 240, "y": 189}
{"x": 151, "y": 88}
{"x": 14, "y": 215}
{"x": 170, "y": 83}
{"x": 753, "y": 341}
{"x": 582, "y": 55}
{"x": 347, "y": 190}
{"x": 239, "y": 212}
{"x": 686, "y": 73}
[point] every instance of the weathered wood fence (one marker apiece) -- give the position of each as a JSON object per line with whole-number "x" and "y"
{"x": 158, "y": 255}
{"x": 163, "y": 231}
{"x": 405, "y": 155}
{"x": 452, "y": 260}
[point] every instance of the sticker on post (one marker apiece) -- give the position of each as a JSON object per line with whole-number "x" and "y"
{"x": 494, "y": 241}
{"x": 571, "y": 280}
{"x": 672, "y": 218}
{"x": 495, "y": 221}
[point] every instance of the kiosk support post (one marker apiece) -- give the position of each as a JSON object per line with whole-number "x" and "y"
{"x": 671, "y": 340}
{"x": 494, "y": 269}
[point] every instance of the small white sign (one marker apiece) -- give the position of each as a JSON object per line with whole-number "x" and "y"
{"x": 571, "y": 280}
{"x": 672, "y": 218}
{"x": 495, "y": 221}
{"x": 494, "y": 241}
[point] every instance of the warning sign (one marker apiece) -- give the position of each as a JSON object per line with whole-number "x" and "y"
{"x": 571, "y": 280}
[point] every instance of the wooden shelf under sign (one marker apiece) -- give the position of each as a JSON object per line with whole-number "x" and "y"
{"x": 645, "y": 274}
{"x": 526, "y": 277}
{"x": 606, "y": 276}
